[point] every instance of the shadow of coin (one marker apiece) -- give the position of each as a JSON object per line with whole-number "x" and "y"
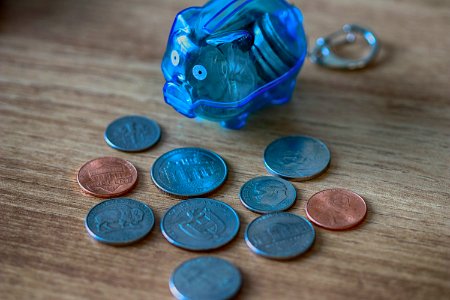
{"x": 136, "y": 244}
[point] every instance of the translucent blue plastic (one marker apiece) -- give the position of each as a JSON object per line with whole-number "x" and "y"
{"x": 229, "y": 58}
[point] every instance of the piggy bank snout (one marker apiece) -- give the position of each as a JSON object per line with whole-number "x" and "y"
{"x": 179, "y": 98}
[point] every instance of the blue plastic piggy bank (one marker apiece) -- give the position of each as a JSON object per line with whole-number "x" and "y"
{"x": 229, "y": 58}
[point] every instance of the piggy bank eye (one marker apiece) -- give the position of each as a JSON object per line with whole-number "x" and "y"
{"x": 199, "y": 72}
{"x": 175, "y": 58}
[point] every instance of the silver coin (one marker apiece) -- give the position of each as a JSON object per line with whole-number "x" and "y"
{"x": 200, "y": 224}
{"x": 280, "y": 235}
{"x": 189, "y": 172}
{"x": 119, "y": 221}
{"x": 132, "y": 133}
{"x": 297, "y": 157}
{"x": 266, "y": 194}
{"x": 206, "y": 277}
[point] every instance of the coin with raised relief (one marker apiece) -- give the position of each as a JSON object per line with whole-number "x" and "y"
{"x": 189, "y": 172}
{"x": 205, "y": 278}
{"x": 280, "y": 235}
{"x": 266, "y": 194}
{"x": 297, "y": 157}
{"x": 132, "y": 133}
{"x": 107, "y": 177}
{"x": 200, "y": 224}
{"x": 336, "y": 209}
{"x": 119, "y": 221}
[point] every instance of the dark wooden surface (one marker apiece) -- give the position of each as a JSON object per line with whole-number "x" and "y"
{"x": 68, "y": 68}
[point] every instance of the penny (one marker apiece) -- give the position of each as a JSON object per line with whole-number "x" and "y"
{"x": 107, "y": 177}
{"x": 279, "y": 235}
{"x": 267, "y": 194}
{"x": 189, "y": 172}
{"x": 205, "y": 277}
{"x": 297, "y": 157}
{"x": 132, "y": 133}
{"x": 336, "y": 209}
{"x": 119, "y": 221}
{"x": 200, "y": 224}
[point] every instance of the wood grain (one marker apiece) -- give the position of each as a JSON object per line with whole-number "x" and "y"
{"x": 67, "y": 68}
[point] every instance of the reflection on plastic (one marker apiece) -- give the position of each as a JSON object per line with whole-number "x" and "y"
{"x": 229, "y": 58}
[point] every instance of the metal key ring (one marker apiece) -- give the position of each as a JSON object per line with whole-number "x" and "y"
{"x": 322, "y": 55}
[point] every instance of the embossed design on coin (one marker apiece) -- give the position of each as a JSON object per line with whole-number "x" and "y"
{"x": 267, "y": 194}
{"x": 200, "y": 224}
{"x": 336, "y": 209}
{"x": 189, "y": 172}
{"x": 297, "y": 157}
{"x": 132, "y": 133}
{"x": 206, "y": 277}
{"x": 119, "y": 221}
{"x": 280, "y": 235}
{"x": 107, "y": 177}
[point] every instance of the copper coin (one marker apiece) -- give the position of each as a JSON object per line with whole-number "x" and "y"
{"x": 336, "y": 209}
{"x": 107, "y": 177}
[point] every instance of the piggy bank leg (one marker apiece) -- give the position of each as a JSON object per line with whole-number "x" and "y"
{"x": 235, "y": 123}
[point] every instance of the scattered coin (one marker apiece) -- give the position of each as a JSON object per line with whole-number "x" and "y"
{"x": 107, "y": 177}
{"x": 266, "y": 194}
{"x": 200, "y": 224}
{"x": 189, "y": 172}
{"x": 119, "y": 221}
{"x": 336, "y": 209}
{"x": 132, "y": 133}
{"x": 206, "y": 277}
{"x": 297, "y": 157}
{"x": 280, "y": 235}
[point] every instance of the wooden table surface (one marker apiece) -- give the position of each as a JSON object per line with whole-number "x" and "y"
{"x": 68, "y": 68}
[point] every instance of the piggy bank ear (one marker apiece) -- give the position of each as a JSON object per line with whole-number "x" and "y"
{"x": 183, "y": 20}
{"x": 241, "y": 38}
